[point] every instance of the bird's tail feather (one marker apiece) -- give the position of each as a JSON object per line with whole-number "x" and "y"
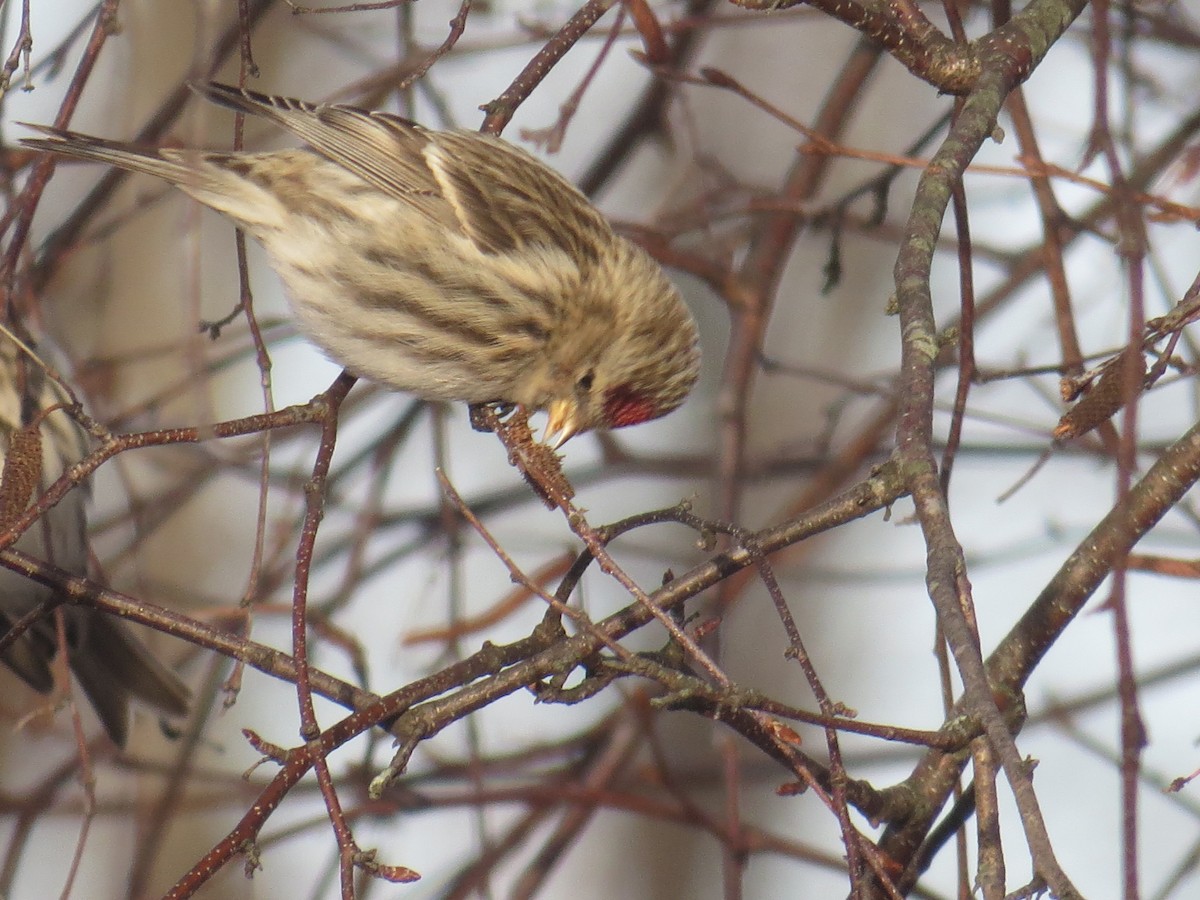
{"x": 148, "y": 160}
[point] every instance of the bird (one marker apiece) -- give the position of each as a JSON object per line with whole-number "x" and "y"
{"x": 111, "y": 665}
{"x": 452, "y": 265}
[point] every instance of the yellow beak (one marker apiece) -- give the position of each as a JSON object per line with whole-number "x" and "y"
{"x": 560, "y": 424}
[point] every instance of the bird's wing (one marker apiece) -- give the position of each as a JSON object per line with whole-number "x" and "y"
{"x": 505, "y": 199}
{"x": 386, "y": 154}
{"x": 494, "y": 193}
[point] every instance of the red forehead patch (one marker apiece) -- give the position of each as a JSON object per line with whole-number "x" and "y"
{"x": 623, "y": 406}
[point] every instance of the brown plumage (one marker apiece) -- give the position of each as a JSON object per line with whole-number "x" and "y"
{"x": 451, "y": 265}
{"x": 111, "y": 665}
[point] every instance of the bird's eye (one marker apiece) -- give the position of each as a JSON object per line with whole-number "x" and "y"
{"x": 586, "y": 380}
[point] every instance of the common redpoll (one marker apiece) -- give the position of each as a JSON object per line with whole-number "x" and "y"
{"x": 451, "y": 265}
{"x": 111, "y": 665}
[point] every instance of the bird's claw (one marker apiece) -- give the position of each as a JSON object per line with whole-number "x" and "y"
{"x": 478, "y": 413}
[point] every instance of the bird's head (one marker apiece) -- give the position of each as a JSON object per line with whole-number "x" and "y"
{"x": 616, "y": 363}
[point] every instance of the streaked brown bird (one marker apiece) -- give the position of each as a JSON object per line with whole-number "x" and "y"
{"x": 449, "y": 264}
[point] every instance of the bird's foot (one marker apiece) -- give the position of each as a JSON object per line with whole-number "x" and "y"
{"x": 481, "y": 413}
